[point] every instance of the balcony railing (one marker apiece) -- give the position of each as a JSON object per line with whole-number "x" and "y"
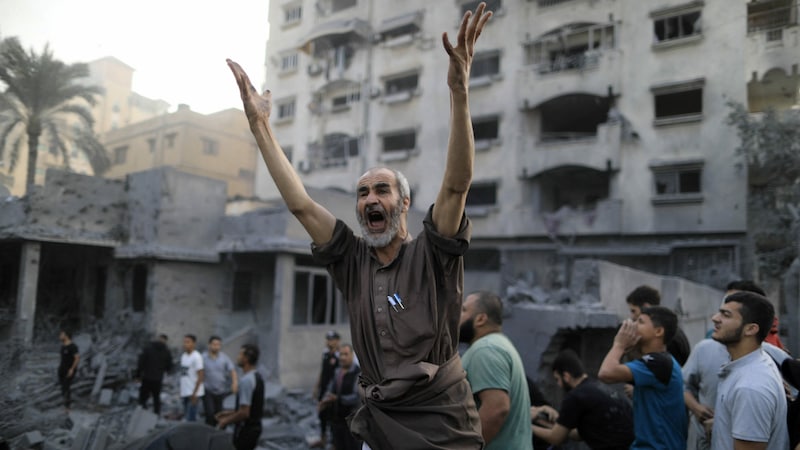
{"x": 580, "y": 61}
{"x": 770, "y": 19}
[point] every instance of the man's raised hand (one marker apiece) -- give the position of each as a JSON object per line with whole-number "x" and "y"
{"x": 461, "y": 55}
{"x": 256, "y": 107}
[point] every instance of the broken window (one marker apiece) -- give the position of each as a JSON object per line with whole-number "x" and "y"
{"x": 680, "y": 100}
{"x": 139, "y": 297}
{"x": 574, "y": 188}
{"x": 405, "y": 83}
{"x": 242, "y": 290}
{"x": 400, "y": 141}
{"x": 120, "y": 154}
{"x": 485, "y": 130}
{"x": 571, "y": 47}
{"x": 678, "y": 181}
{"x": 335, "y": 151}
{"x": 485, "y": 64}
{"x": 482, "y": 194}
{"x": 677, "y": 27}
{"x": 573, "y": 117}
{"x": 491, "y": 5}
{"x": 210, "y": 147}
{"x": 316, "y": 300}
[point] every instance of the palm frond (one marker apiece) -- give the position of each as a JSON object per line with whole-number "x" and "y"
{"x": 14, "y": 156}
{"x": 94, "y": 150}
{"x": 55, "y": 137}
{"x": 85, "y": 114}
{"x": 6, "y": 132}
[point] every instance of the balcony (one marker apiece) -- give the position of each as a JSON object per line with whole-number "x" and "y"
{"x": 602, "y": 218}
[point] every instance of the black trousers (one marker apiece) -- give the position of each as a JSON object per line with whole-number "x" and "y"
{"x": 66, "y": 388}
{"x": 212, "y": 404}
{"x": 245, "y": 436}
{"x": 342, "y": 437}
{"x": 148, "y": 388}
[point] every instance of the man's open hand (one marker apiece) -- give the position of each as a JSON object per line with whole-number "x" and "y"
{"x": 461, "y": 54}
{"x": 257, "y": 107}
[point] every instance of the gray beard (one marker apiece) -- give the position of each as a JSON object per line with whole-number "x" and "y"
{"x": 385, "y": 238}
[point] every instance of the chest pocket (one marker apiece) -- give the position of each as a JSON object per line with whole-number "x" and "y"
{"x": 413, "y": 324}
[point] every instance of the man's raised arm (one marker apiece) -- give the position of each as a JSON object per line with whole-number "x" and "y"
{"x": 317, "y": 220}
{"x": 449, "y": 206}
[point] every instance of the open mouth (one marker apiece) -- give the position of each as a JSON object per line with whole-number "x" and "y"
{"x": 376, "y": 221}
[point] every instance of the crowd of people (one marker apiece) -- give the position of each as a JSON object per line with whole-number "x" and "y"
{"x": 410, "y": 388}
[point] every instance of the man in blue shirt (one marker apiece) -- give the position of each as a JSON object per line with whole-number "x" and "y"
{"x": 659, "y": 413}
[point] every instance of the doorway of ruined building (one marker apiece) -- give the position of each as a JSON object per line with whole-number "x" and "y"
{"x": 71, "y": 288}
{"x": 10, "y": 253}
{"x": 591, "y": 345}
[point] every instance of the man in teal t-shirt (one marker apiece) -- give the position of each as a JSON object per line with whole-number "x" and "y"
{"x": 495, "y": 374}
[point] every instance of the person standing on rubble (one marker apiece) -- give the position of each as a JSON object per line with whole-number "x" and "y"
{"x": 191, "y": 378}
{"x": 249, "y": 402}
{"x": 68, "y": 366}
{"x": 403, "y": 294}
{"x": 219, "y": 378}
{"x": 330, "y": 361}
{"x": 154, "y": 361}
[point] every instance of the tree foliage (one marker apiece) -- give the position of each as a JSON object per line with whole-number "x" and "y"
{"x": 43, "y": 100}
{"x": 770, "y": 144}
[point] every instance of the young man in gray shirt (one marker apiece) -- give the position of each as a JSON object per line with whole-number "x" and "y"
{"x": 219, "y": 379}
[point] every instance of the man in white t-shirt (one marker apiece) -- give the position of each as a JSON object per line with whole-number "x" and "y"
{"x": 191, "y": 378}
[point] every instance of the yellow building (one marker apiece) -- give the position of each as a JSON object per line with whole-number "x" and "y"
{"x": 217, "y": 145}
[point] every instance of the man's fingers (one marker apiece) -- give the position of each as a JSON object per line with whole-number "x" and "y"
{"x": 446, "y": 42}
{"x": 462, "y": 30}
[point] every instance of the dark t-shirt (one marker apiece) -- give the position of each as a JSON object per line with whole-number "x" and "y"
{"x": 679, "y": 347}
{"x": 330, "y": 361}
{"x": 68, "y": 353}
{"x": 604, "y": 418}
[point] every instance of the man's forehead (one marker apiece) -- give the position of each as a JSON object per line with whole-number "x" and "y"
{"x": 377, "y": 176}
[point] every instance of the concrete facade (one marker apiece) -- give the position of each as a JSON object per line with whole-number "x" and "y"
{"x": 600, "y": 126}
{"x": 218, "y": 146}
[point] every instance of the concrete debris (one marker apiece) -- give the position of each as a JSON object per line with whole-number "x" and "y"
{"x": 105, "y": 412}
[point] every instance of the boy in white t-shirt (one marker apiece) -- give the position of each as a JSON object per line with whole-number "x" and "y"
{"x": 191, "y": 378}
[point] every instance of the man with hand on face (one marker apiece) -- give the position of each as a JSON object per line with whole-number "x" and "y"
{"x": 403, "y": 294}
{"x": 495, "y": 374}
{"x": 659, "y": 414}
{"x": 750, "y": 411}
{"x": 589, "y": 411}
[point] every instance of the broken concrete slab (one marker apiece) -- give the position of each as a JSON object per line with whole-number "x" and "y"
{"x": 105, "y": 397}
{"x": 31, "y": 439}
{"x": 141, "y": 423}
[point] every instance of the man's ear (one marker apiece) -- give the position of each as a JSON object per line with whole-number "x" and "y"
{"x": 751, "y": 329}
{"x": 406, "y": 204}
{"x": 659, "y": 331}
{"x": 480, "y": 319}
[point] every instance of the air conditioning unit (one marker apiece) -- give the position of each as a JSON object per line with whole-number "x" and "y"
{"x": 304, "y": 166}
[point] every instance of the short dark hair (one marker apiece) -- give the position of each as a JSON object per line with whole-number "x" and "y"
{"x": 251, "y": 352}
{"x": 67, "y": 333}
{"x": 191, "y": 336}
{"x": 755, "y": 309}
{"x": 745, "y": 285}
{"x": 644, "y": 294}
{"x": 214, "y": 337}
{"x": 348, "y": 345}
{"x": 663, "y": 317}
{"x": 489, "y": 304}
{"x": 568, "y": 362}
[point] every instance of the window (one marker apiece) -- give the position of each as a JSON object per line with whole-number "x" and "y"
{"x": 316, "y": 300}
{"x": 482, "y": 194}
{"x": 402, "y": 27}
{"x": 677, "y": 23}
{"x": 343, "y": 101}
{"x": 210, "y": 147}
{"x": 681, "y": 102}
{"x": 289, "y": 62}
{"x": 286, "y": 109}
{"x": 491, "y": 5}
{"x": 151, "y": 144}
{"x": 246, "y": 174}
{"x": 335, "y": 150}
{"x": 170, "y": 139}
{"x": 400, "y": 141}
{"x": 770, "y": 15}
{"x": 292, "y": 14}
{"x": 486, "y": 131}
{"x": 120, "y": 154}
{"x": 242, "y": 291}
{"x": 677, "y": 181}
{"x": 485, "y": 65}
{"x": 139, "y": 297}
{"x": 403, "y": 83}
{"x": 338, "y": 5}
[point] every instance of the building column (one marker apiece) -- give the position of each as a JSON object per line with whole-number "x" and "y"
{"x": 26, "y": 290}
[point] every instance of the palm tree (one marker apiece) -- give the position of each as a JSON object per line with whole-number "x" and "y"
{"x": 41, "y": 99}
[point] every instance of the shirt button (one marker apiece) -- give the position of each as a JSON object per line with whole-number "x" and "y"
{"x": 380, "y": 309}
{"x": 383, "y": 332}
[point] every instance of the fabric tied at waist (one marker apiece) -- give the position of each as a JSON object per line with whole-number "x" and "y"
{"x": 419, "y": 406}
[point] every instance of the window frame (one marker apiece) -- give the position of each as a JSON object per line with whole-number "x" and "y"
{"x": 676, "y": 169}
{"x": 335, "y": 307}
{"x": 676, "y": 12}
{"x": 677, "y": 88}
{"x": 285, "y": 110}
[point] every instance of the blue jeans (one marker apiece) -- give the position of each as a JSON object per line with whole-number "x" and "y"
{"x": 190, "y": 410}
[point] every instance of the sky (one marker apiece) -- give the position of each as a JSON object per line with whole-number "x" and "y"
{"x": 177, "y": 47}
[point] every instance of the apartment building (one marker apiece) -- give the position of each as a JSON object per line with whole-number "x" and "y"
{"x": 218, "y": 146}
{"x": 599, "y": 124}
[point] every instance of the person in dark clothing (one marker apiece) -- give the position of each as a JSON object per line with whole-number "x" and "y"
{"x": 537, "y": 400}
{"x": 249, "y": 402}
{"x": 341, "y": 398}
{"x": 590, "y": 411}
{"x": 645, "y": 296}
{"x": 68, "y": 366}
{"x": 154, "y": 361}
{"x": 330, "y": 361}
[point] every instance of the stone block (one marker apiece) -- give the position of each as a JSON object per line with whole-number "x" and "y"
{"x": 31, "y": 439}
{"x": 105, "y": 397}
